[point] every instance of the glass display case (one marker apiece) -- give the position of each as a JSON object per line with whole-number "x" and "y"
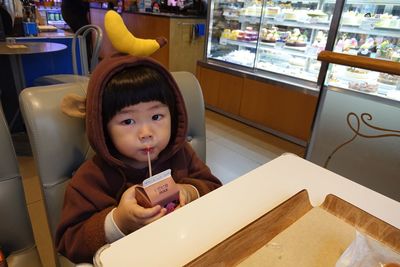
{"x": 284, "y": 38}
{"x": 368, "y": 29}
{"x": 275, "y": 36}
{"x": 292, "y": 34}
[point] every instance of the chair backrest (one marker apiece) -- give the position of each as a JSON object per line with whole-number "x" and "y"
{"x": 59, "y": 142}
{"x": 194, "y": 101}
{"x": 16, "y": 236}
{"x": 81, "y": 35}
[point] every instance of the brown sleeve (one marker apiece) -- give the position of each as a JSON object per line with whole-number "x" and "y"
{"x": 87, "y": 202}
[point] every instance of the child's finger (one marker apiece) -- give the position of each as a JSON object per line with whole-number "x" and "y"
{"x": 144, "y": 213}
{"x": 182, "y": 198}
{"x": 162, "y": 212}
{"x": 129, "y": 194}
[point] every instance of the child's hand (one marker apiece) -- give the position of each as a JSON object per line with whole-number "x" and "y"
{"x": 129, "y": 216}
{"x": 187, "y": 193}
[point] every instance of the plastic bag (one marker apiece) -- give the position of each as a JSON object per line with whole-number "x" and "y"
{"x": 367, "y": 252}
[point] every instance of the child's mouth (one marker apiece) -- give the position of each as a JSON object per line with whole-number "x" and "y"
{"x": 148, "y": 149}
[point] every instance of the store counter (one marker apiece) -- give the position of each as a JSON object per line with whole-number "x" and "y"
{"x": 188, "y": 235}
{"x": 59, "y": 33}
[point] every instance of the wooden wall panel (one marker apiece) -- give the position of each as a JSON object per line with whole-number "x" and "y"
{"x": 230, "y": 93}
{"x": 97, "y": 18}
{"x": 209, "y": 81}
{"x": 279, "y": 108}
{"x": 185, "y": 49}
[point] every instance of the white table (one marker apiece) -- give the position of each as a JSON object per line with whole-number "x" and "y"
{"x": 187, "y": 233}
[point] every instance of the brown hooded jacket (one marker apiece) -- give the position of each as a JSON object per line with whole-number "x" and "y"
{"x": 98, "y": 184}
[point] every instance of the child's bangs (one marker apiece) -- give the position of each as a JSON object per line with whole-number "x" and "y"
{"x": 133, "y": 86}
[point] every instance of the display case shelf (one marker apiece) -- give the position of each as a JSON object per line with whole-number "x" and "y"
{"x": 363, "y": 2}
{"x": 306, "y": 52}
{"x": 249, "y": 19}
{"x": 377, "y": 31}
{"x": 224, "y": 41}
{"x": 320, "y": 25}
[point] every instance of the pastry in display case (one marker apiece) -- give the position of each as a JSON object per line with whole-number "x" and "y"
{"x": 283, "y": 39}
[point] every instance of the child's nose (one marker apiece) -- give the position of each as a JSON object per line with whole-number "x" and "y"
{"x": 145, "y": 134}
{"x": 146, "y": 137}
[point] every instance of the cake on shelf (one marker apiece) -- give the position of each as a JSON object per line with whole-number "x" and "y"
{"x": 347, "y": 45}
{"x": 269, "y": 35}
{"x": 395, "y": 56}
{"x": 351, "y": 18}
{"x": 253, "y": 11}
{"x": 320, "y": 41}
{"x": 364, "y": 86}
{"x": 250, "y": 34}
{"x": 367, "y": 47}
{"x": 385, "y": 50}
{"x": 387, "y": 21}
{"x": 289, "y": 14}
{"x": 284, "y": 35}
{"x": 356, "y": 73}
{"x": 272, "y": 11}
{"x": 240, "y": 35}
{"x": 318, "y": 15}
{"x": 296, "y": 39}
{"x": 387, "y": 78}
{"x": 235, "y": 34}
{"x": 226, "y": 34}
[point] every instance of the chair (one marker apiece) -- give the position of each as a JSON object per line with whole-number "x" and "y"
{"x": 16, "y": 236}
{"x": 86, "y": 70}
{"x": 194, "y": 101}
{"x": 53, "y": 135}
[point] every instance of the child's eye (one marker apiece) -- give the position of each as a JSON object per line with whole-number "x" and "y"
{"x": 128, "y": 122}
{"x": 157, "y": 117}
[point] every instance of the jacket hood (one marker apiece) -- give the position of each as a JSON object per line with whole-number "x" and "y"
{"x": 94, "y": 123}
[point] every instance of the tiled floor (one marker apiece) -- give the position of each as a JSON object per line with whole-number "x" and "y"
{"x": 232, "y": 150}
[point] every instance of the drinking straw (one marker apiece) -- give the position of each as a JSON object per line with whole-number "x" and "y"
{"x": 149, "y": 161}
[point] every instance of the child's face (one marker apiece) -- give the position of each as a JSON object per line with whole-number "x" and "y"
{"x": 138, "y": 127}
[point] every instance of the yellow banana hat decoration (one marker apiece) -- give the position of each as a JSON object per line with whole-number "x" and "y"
{"x": 124, "y": 41}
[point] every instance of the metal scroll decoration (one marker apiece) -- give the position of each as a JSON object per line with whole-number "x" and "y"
{"x": 364, "y": 118}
